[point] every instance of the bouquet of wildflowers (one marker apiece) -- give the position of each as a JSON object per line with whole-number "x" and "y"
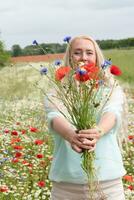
{"x": 80, "y": 89}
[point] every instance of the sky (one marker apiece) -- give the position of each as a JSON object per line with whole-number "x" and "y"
{"x": 49, "y": 21}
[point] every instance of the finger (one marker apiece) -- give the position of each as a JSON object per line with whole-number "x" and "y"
{"x": 87, "y": 136}
{"x": 76, "y": 148}
{"x": 89, "y": 142}
{"x": 92, "y": 149}
{"x": 87, "y": 131}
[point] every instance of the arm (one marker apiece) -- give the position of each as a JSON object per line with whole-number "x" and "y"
{"x": 63, "y": 128}
{"x": 91, "y": 136}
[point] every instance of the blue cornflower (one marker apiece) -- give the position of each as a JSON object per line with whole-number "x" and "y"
{"x": 35, "y": 42}
{"x": 43, "y": 70}
{"x": 81, "y": 71}
{"x": 57, "y": 62}
{"x": 67, "y": 39}
{"x": 106, "y": 64}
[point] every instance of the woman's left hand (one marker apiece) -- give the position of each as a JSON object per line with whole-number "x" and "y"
{"x": 89, "y": 138}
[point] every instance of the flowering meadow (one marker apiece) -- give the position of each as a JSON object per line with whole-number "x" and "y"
{"x": 26, "y": 145}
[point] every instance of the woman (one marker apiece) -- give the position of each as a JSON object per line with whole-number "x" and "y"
{"x": 68, "y": 179}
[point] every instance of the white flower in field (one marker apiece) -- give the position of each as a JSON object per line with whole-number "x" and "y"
{"x": 44, "y": 197}
{"x": 37, "y": 193}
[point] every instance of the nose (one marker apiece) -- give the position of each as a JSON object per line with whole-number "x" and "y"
{"x": 84, "y": 56}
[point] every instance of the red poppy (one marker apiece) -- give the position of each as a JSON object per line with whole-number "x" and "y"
{"x": 6, "y": 131}
{"x": 39, "y": 155}
{"x": 30, "y": 165}
{"x": 18, "y": 147}
{"x": 25, "y": 162}
{"x": 3, "y": 188}
{"x": 115, "y": 70}
{"x": 14, "y": 140}
{"x": 15, "y": 160}
{"x": 41, "y": 184}
{"x": 38, "y": 142}
{"x": 128, "y": 178}
{"x": 91, "y": 68}
{"x": 33, "y": 129}
{"x": 18, "y": 154}
{"x": 61, "y": 72}
{"x": 131, "y": 187}
{"x": 14, "y": 132}
{"x": 82, "y": 77}
{"x": 23, "y": 131}
{"x": 131, "y": 137}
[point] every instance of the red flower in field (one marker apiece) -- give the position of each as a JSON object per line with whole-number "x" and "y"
{"x": 115, "y": 70}
{"x": 25, "y": 162}
{"x": 14, "y": 140}
{"x": 18, "y": 123}
{"x": 131, "y": 137}
{"x": 14, "y": 132}
{"x": 131, "y": 187}
{"x": 33, "y": 129}
{"x": 61, "y": 72}
{"x": 38, "y": 142}
{"x": 39, "y": 155}
{"x": 41, "y": 184}
{"x": 17, "y": 147}
{"x": 15, "y": 160}
{"x": 6, "y": 131}
{"x": 3, "y": 188}
{"x": 23, "y": 131}
{"x": 128, "y": 178}
{"x": 18, "y": 154}
{"x": 30, "y": 165}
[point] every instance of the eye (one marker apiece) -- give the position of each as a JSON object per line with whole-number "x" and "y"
{"x": 89, "y": 53}
{"x": 77, "y": 53}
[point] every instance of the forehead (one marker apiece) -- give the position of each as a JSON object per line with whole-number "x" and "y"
{"x": 83, "y": 44}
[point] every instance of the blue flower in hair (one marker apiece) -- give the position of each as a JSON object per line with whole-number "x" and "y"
{"x": 35, "y": 42}
{"x": 67, "y": 39}
{"x": 106, "y": 63}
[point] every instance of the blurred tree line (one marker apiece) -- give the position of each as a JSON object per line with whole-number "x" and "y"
{"x": 51, "y": 48}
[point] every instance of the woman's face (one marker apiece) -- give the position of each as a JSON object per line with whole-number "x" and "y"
{"x": 83, "y": 51}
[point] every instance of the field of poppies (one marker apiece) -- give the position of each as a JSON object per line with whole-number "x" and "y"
{"x": 26, "y": 146}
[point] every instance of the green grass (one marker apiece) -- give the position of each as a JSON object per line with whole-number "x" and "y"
{"x": 124, "y": 58}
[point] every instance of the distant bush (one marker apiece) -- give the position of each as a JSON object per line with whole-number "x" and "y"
{"x": 4, "y": 55}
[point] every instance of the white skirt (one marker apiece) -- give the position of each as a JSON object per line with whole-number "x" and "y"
{"x": 113, "y": 190}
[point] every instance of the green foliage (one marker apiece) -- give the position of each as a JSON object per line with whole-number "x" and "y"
{"x": 112, "y": 44}
{"x": 4, "y": 56}
{"x": 16, "y": 50}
